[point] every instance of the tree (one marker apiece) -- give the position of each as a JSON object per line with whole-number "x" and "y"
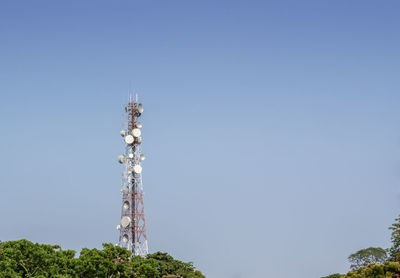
{"x": 366, "y": 256}
{"x": 388, "y": 269}
{"x": 24, "y": 259}
{"x": 167, "y": 265}
{"x": 394, "y": 250}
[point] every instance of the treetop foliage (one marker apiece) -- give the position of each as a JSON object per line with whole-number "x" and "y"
{"x": 394, "y": 250}
{"x": 367, "y": 256}
{"x": 375, "y": 262}
{"x": 22, "y": 258}
{"x": 386, "y": 270}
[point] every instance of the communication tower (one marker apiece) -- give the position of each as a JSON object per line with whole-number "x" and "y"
{"x": 133, "y": 223}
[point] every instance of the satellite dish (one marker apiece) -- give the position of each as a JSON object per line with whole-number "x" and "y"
{"x": 123, "y": 133}
{"x": 142, "y": 157}
{"x": 126, "y": 205}
{"x": 118, "y": 227}
{"x": 140, "y": 108}
{"x": 136, "y": 132}
{"x": 125, "y": 221}
{"x": 138, "y": 140}
{"x": 139, "y": 125}
{"x": 121, "y": 158}
{"x": 125, "y": 238}
{"x": 130, "y": 155}
{"x": 129, "y": 139}
{"x": 137, "y": 169}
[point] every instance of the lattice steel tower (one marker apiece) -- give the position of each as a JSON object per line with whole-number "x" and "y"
{"x": 133, "y": 223}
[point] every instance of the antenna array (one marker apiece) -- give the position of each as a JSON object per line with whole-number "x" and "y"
{"x": 133, "y": 223}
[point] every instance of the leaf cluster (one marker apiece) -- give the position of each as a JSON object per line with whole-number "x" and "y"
{"x": 394, "y": 250}
{"x": 22, "y": 259}
{"x": 367, "y": 256}
{"x": 386, "y": 270}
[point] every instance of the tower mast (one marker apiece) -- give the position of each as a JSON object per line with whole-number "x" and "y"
{"x": 133, "y": 222}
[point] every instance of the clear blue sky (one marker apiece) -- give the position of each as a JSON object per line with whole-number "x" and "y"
{"x": 271, "y": 128}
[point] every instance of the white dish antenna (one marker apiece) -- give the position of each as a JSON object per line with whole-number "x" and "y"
{"x": 142, "y": 157}
{"x": 126, "y": 205}
{"x": 130, "y": 155}
{"x": 139, "y": 125}
{"x": 118, "y": 227}
{"x": 129, "y": 139}
{"x": 125, "y": 238}
{"x": 136, "y": 132}
{"x": 140, "y": 108}
{"x": 121, "y": 158}
{"x": 137, "y": 169}
{"x": 138, "y": 140}
{"x": 125, "y": 221}
{"x": 123, "y": 133}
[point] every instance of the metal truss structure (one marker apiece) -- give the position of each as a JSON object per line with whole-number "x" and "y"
{"x": 133, "y": 222}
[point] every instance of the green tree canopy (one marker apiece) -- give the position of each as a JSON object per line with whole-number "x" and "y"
{"x": 366, "y": 256}
{"x": 394, "y": 250}
{"x": 386, "y": 270}
{"x": 375, "y": 262}
{"x": 22, "y": 258}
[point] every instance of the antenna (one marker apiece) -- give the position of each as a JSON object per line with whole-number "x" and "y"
{"x": 132, "y": 226}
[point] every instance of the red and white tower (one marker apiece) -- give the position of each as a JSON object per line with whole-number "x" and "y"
{"x": 133, "y": 223}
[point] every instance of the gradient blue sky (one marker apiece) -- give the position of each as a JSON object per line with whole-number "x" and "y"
{"x": 271, "y": 128}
